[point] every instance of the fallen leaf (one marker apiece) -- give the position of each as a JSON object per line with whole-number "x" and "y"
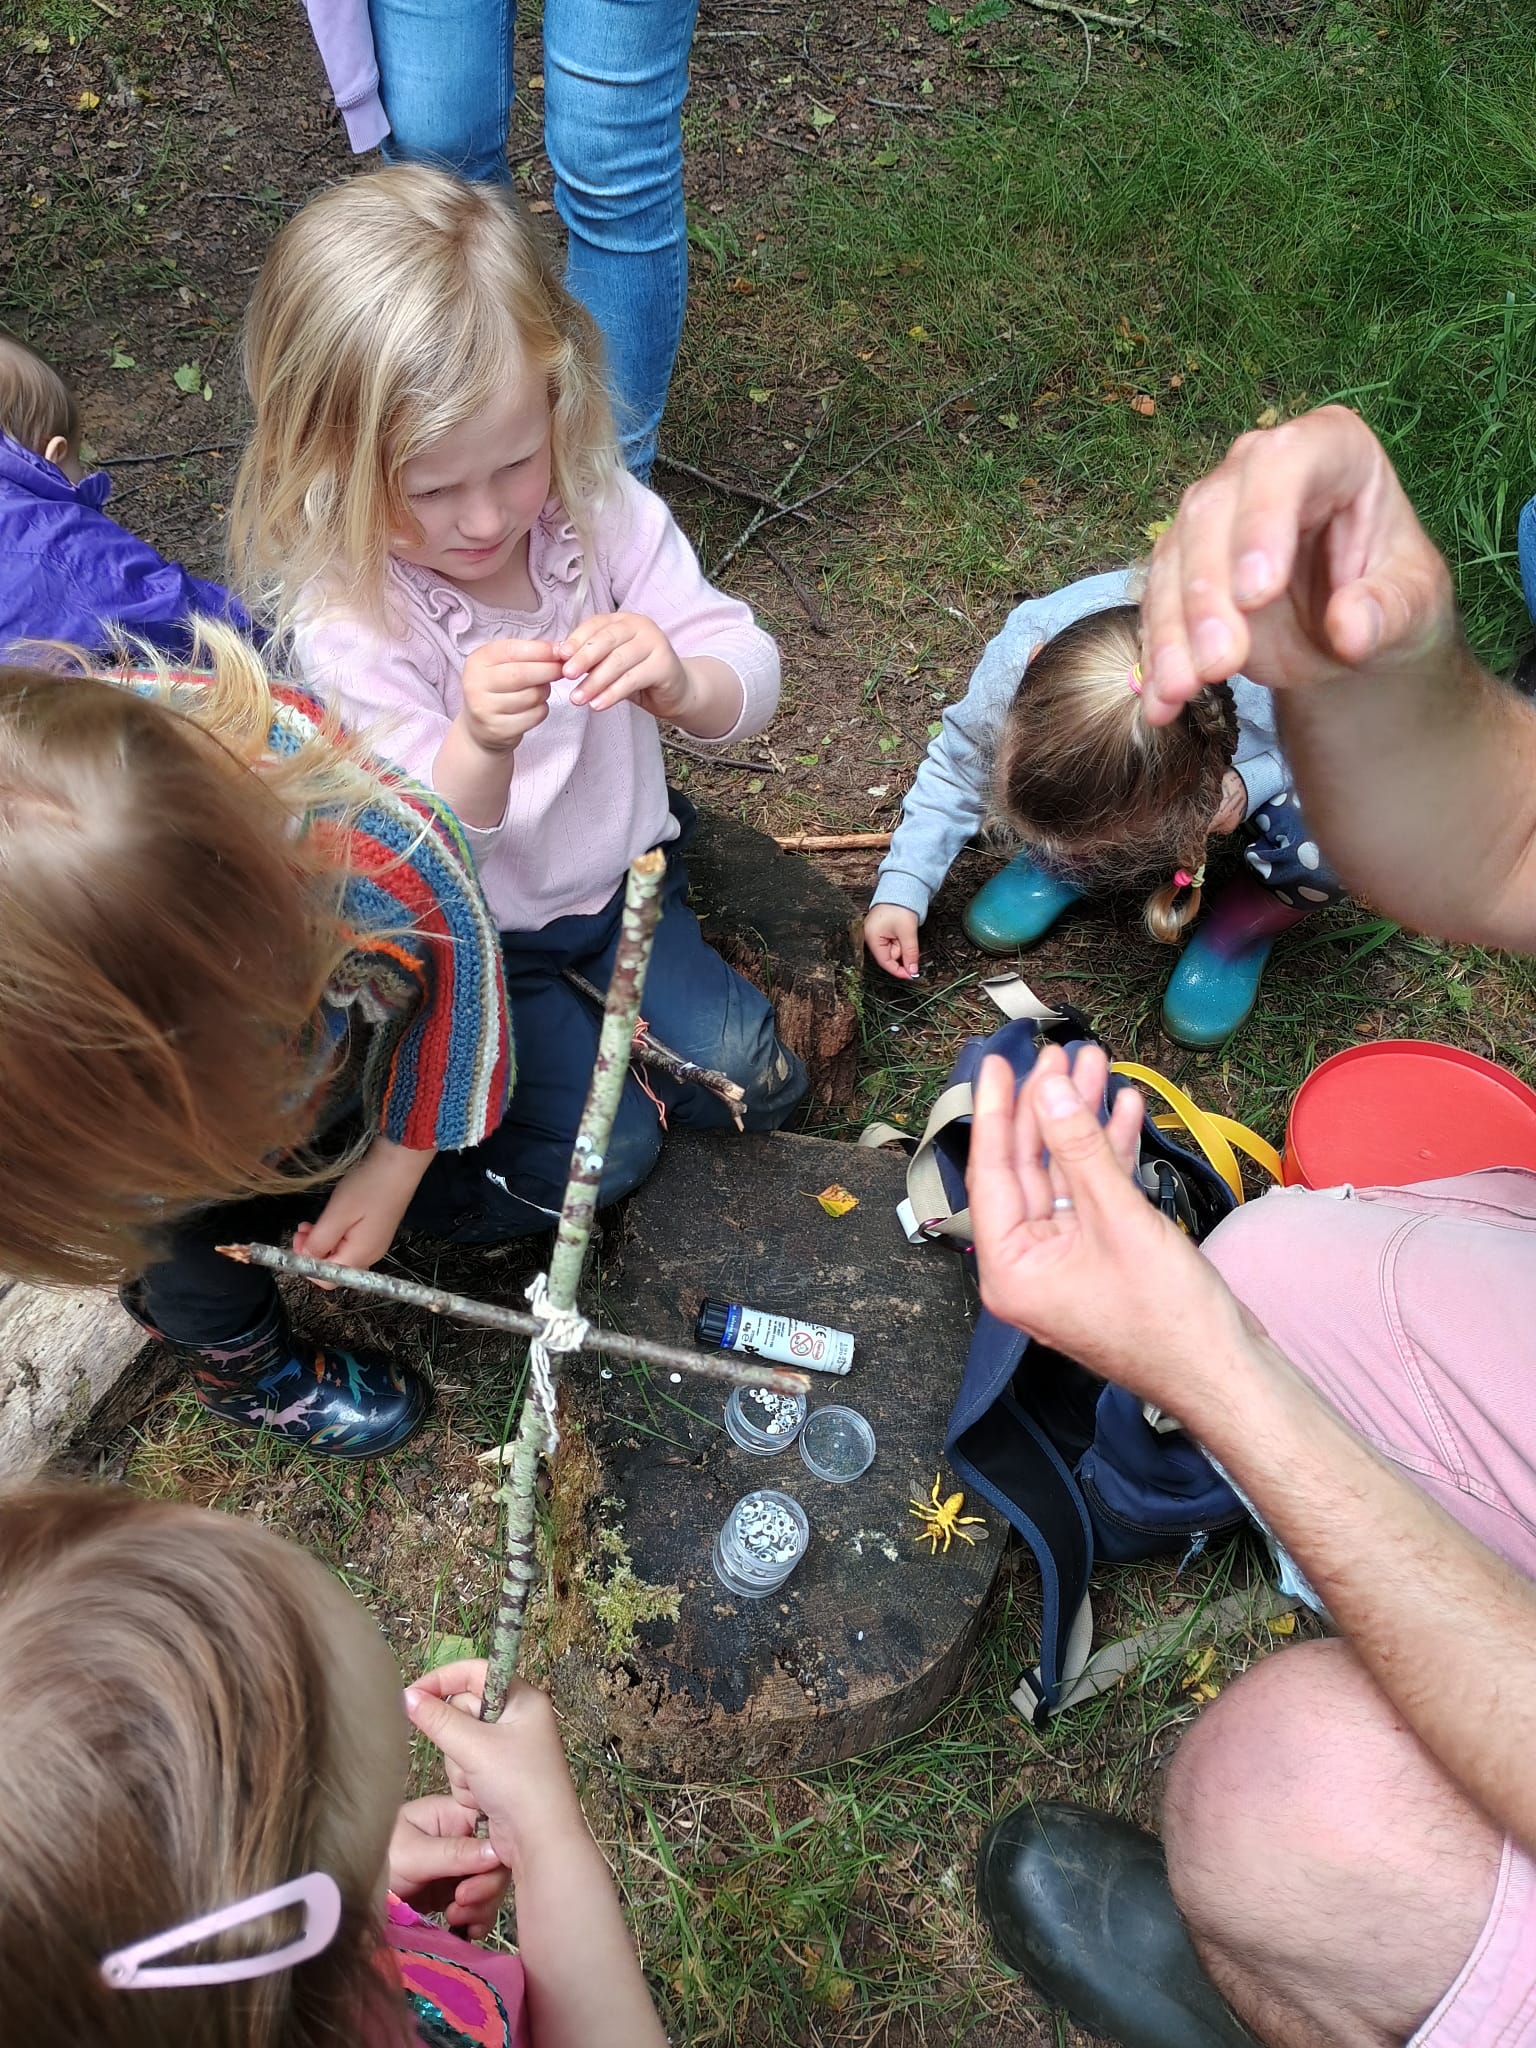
{"x": 536, "y": 83}
{"x": 1282, "y": 1624}
{"x": 121, "y": 360}
{"x": 541, "y": 206}
{"x": 926, "y": 88}
{"x": 36, "y": 46}
{"x": 188, "y": 377}
{"x": 742, "y": 286}
{"x": 759, "y": 394}
{"x": 821, "y": 117}
{"x": 1155, "y": 528}
{"x": 1010, "y": 420}
{"x": 878, "y": 789}
{"x": 836, "y": 1200}
{"x": 884, "y": 158}
{"x": 1199, "y": 1664}
{"x": 88, "y": 102}
{"x": 755, "y": 786}
{"x": 450, "y": 1650}
{"x": 1269, "y": 417}
{"x": 917, "y": 334}
{"x": 1176, "y": 381}
{"x": 889, "y": 743}
{"x": 1144, "y": 405}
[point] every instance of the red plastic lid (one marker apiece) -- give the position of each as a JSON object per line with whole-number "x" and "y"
{"x": 1403, "y": 1110}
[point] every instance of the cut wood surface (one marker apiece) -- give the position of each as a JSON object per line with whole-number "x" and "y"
{"x": 792, "y": 933}
{"x": 870, "y": 1635}
{"x": 63, "y": 1353}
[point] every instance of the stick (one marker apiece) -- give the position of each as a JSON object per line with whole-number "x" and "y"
{"x": 621, "y": 1013}
{"x": 489, "y": 1315}
{"x": 723, "y": 485}
{"x": 1128, "y": 25}
{"x": 762, "y": 514}
{"x": 831, "y": 842}
{"x": 650, "y": 1048}
{"x": 168, "y": 455}
{"x": 677, "y": 746}
{"x": 798, "y": 585}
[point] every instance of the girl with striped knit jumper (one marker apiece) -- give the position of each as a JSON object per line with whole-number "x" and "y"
{"x": 432, "y": 502}
{"x": 249, "y": 982}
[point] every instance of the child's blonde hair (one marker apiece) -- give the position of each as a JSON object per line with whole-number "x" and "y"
{"x": 389, "y": 311}
{"x": 36, "y": 405}
{"x": 171, "y": 1743}
{"x": 170, "y": 913}
{"x": 1105, "y": 798}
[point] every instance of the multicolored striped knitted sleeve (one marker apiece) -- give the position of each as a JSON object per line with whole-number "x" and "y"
{"x": 425, "y": 974}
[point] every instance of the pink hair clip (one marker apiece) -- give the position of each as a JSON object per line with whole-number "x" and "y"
{"x": 319, "y": 1895}
{"x": 1133, "y": 677}
{"x": 1183, "y": 879}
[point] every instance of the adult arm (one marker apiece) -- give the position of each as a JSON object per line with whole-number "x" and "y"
{"x": 1114, "y": 1284}
{"x": 1300, "y": 561}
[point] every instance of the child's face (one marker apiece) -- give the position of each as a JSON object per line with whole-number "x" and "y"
{"x": 477, "y": 492}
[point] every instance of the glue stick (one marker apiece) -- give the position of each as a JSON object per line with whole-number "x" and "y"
{"x": 730, "y": 1326}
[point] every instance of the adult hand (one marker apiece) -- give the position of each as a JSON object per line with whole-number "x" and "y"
{"x": 512, "y": 1770}
{"x": 438, "y": 1865}
{"x": 890, "y": 933}
{"x": 1069, "y": 1248}
{"x": 506, "y": 691}
{"x": 1299, "y": 560}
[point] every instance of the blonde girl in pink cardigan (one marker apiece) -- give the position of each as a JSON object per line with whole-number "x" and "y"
{"x": 433, "y": 509}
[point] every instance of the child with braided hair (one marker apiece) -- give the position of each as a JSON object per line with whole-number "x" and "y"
{"x": 1050, "y": 740}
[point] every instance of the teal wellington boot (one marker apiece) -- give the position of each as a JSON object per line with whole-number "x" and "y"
{"x": 1016, "y": 907}
{"x": 1216, "y": 983}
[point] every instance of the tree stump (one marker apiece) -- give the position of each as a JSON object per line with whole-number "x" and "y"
{"x": 779, "y": 922}
{"x": 870, "y": 1635}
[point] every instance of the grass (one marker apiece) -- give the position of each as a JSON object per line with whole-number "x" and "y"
{"x": 1250, "y": 224}
{"x": 1244, "y": 227}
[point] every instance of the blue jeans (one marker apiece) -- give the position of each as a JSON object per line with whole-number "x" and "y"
{"x": 1526, "y": 542}
{"x": 615, "y": 74}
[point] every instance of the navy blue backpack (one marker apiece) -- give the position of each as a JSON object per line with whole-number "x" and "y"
{"x": 1081, "y": 1469}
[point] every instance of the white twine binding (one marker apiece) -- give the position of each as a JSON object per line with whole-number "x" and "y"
{"x": 564, "y": 1331}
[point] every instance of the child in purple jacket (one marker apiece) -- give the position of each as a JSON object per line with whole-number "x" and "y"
{"x": 67, "y": 571}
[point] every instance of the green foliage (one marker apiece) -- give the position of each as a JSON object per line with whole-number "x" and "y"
{"x": 1242, "y": 227}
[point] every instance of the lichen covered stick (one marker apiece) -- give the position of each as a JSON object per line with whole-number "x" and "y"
{"x": 621, "y": 1013}
{"x": 492, "y": 1315}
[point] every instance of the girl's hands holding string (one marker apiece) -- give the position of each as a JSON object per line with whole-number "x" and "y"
{"x": 1067, "y": 1245}
{"x": 624, "y": 656}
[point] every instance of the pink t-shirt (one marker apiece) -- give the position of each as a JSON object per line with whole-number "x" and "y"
{"x": 462, "y": 1996}
{"x": 589, "y": 789}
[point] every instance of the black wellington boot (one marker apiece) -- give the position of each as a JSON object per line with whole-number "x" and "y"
{"x": 1079, "y": 1903}
{"x": 342, "y": 1404}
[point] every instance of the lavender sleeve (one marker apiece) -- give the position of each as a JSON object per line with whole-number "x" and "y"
{"x": 380, "y": 686}
{"x": 344, "y": 37}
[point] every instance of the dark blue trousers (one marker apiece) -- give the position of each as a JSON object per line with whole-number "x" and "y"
{"x": 512, "y": 1185}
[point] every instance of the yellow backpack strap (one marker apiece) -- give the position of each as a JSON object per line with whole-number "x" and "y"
{"x": 1241, "y": 1139}
{"x": 1215, "y": 1135}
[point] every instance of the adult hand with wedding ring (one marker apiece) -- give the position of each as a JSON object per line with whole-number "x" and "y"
{"x": 1067, "y": 1245}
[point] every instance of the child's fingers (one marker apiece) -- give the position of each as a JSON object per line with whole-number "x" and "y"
{"x": 543, "y": 652}
{"x": 444, "y": 1681}
{"x": 304, "y": 1245}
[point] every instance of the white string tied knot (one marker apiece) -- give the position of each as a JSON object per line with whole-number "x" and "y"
{"x": 564, "y": 1330}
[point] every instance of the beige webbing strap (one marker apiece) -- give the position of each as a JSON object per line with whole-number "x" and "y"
{"x": 1012, "y": 994}
{"x": 1088, "y": 1676}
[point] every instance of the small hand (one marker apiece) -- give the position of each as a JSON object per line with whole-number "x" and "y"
{"x": 506, "y": 691}
{"x": 357, "y": 1225}
{"x": 890, "y": 933}
{"x": 1104, "y": 1278}
{"x": 438, "y": 1865}
{"x": 512, "y": 1770}
{"x": 1299, "y": 560}
{"x": 625, "y": 655}
{"x": 1234, "y": 804}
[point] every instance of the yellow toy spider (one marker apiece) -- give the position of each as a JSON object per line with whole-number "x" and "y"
{"x": 943, "y": 1518}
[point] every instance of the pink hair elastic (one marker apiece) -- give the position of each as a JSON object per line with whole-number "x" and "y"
{"x": 1183, "y": 879}
{"x": 319, "y": 1895}
{"x": 1133, "y": 677}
